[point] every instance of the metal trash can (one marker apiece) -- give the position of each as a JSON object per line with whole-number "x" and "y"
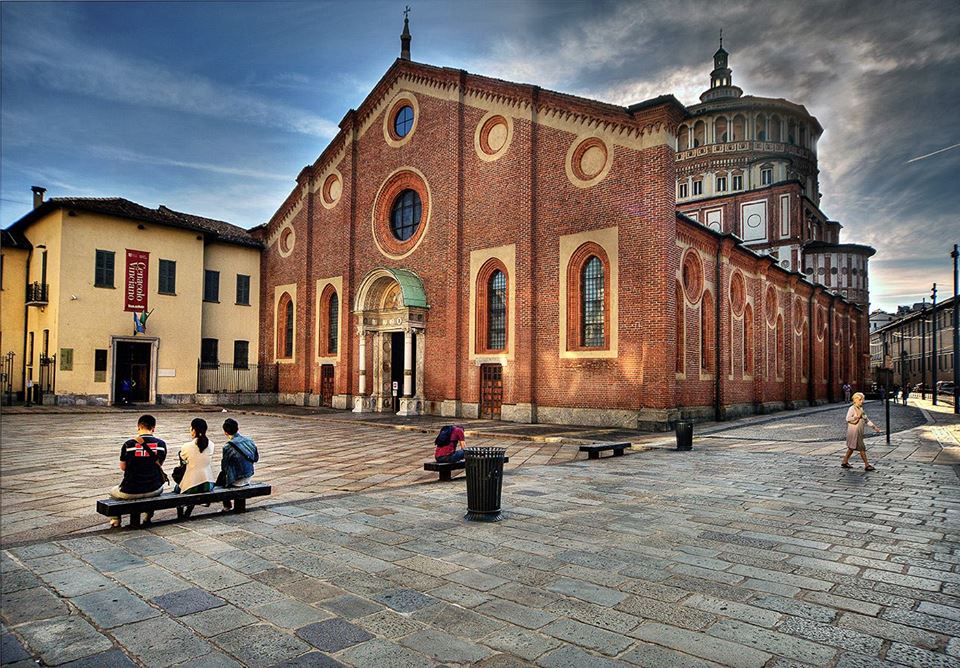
{"x": 684, "y": 435}
{"x": 484, "y": 467}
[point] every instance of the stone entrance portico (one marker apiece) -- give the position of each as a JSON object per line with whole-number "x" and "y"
{"x": 391, "y": 301}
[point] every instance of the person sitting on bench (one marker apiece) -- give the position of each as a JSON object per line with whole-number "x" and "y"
{"x": 450, "y": 444}
{"x": 196, "y": 457}
{"x": 141, "y": 460}
{"x": 239, "y": 456}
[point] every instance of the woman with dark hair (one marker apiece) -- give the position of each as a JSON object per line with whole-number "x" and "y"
{"x": 196, "y": 456}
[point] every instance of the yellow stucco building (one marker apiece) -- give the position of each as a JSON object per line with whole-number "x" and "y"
{"x": 108, "y": 301}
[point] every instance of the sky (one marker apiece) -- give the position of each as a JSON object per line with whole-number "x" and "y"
{"x": 214, "y": 107}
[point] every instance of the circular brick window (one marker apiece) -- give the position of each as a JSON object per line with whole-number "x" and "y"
{"x": 405, "y": 215}
{"x": 692, "y": 275}
{"x": 331, "y": 191}
{"x": 588, "y": 161}
{"x": 493, "y": 135}
{"x": 737, "y": 294}
{"x": 401, "y": 213}
{"x": 401, "y": 120}
{"x": 770, "y": 302}
{"x": 286, "y": 241}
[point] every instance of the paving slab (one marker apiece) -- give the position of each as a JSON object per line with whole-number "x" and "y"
{"x": 333, "y": 635}
{"x": 260, "y": 646}
{"x": 108, "y": 608}
{"x": 62, "y": 639}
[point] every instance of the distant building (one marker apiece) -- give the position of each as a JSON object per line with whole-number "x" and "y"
{"x": 78, "y": 274}
{"x": 880, "y": 319}
{"x": 905, "y": 345}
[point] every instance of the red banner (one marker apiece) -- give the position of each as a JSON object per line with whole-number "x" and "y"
{"x": 135, "y": 287}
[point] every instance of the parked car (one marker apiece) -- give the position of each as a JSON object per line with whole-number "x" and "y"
{"x": 945, "y": 387}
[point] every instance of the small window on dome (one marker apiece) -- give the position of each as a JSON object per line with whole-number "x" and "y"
{"x": 403, "y": 121}
{"x": 405, "y": 215}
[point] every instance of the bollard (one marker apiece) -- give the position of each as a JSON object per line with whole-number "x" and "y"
{"x": 484, "y": 468}
{"x": 684, "y": 435}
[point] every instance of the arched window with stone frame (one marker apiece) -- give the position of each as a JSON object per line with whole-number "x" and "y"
{"x": 492, "y": 307}
{"x": 720, "y": 130}
{"x": 329, "y": 335}
{"x": 699, "y": 133}
{"x": 683, "y": 138}
{"x": 285, "y": 326}
{"x": 739, "y": 127}
{"x": 588, "y": 299}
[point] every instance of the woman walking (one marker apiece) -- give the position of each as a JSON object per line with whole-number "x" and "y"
{"x": 857, "y": 421}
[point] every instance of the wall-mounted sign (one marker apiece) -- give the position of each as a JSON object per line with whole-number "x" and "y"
{"x": 135, "y": 286}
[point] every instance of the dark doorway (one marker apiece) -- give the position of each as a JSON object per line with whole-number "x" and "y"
{"x": 131, "y": 383}
{"x": 491, "y": 391}
{"x": 396, "y": 366}
{"x": 326, "y": 385}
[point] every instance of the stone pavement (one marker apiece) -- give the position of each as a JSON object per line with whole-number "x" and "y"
{"x": 56, "y": 462}
{"x": 713, "y": 557}
{"x": 55, "y": 465}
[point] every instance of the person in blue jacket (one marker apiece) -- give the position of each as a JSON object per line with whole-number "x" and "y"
{"x": 236, "y": 462}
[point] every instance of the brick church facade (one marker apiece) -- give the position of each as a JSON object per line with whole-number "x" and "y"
{"x": 472, "y": 247}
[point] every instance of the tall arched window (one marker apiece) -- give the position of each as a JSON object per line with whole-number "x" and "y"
{"x": 748, "y": 352}
{"x": 761, "y": 133}
{"x": 592, "y": 303}
{"x": 707, "y": 324}
{"x": 588, "y": 295}
{"x": 333, "y": 324}
{"x": 804, "y": 349}
{"x": 492, "y": 307}
{"x": 497, "y": 310}
{"x": 285, "y": 326}
{"x": 683, "y": 138}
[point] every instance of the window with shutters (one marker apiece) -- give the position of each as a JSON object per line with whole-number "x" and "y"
{"x": 211, "y": 286}
{"x": 241, "y": 354}
{"x": 209, "y": 353}
{"x": 103, "y": 271}
{"x": 243, "y": 290}
{"x": 167, "y": 284}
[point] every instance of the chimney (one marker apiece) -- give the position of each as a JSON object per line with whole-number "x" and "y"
{"x": 37, "y": 195}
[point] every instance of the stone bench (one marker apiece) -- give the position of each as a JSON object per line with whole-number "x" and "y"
{"x": 133, "y": 508}
{"x": 446, "y": 469}
{"x": 594, "y": 449}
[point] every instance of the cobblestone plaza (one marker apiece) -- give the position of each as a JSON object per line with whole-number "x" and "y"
{"x": 755, "y": 549}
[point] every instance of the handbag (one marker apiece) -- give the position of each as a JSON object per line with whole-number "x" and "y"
{"x": 146, "y": 448}
{"x": 178, "y": 472}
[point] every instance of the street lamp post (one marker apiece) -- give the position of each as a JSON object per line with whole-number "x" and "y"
{"x": 923, "y": 350}
{"x": 933, "y": 337}
{"x": 956, "y": 334}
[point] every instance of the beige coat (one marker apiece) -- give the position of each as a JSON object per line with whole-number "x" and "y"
{"x": 199, "y": 469}
{"x": 857, "y": 421}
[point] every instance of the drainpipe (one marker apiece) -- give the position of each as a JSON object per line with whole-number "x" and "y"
{"x": 717, "y": 399}
{"x": 26, "y": 325}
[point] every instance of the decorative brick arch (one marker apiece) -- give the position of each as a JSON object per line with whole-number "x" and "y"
{"x": 486, "y": 273}
{"x": 681, "y": 330}
{"x": 285, "y": 333}
{"x": 780, "y": 346}
{"x": 707, "y": 334}
{"x": 576, "y": 316}
{"x": 748, "y": 340}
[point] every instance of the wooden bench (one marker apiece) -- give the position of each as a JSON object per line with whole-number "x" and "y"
{"x": 133, "y": 508}
{"x": 446, "y": 469}
{"x": 593, "y": 450}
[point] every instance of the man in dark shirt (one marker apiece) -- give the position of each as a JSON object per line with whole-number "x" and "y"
{"x": 140, "y": 460}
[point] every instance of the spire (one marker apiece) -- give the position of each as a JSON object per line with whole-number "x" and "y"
{"x": 405, "y": 35}
{"x": 721, "y": 78}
